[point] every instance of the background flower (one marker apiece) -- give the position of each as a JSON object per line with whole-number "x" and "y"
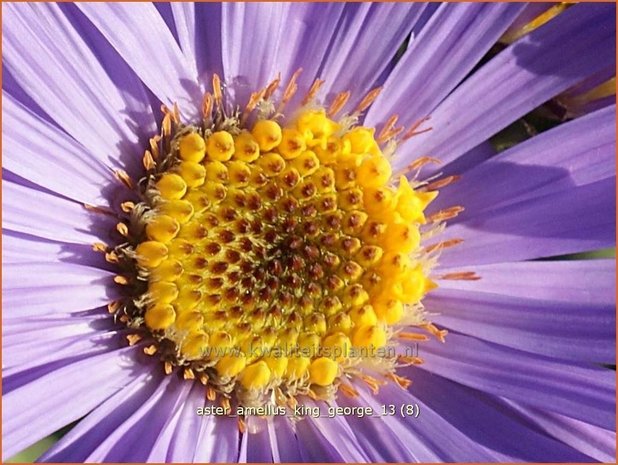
{"x": 520, "y": 377}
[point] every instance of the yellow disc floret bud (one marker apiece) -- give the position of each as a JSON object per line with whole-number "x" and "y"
{"x": 171, "y": 186}
{"x": 267, "y": 133}
{"x": 255, "y": 376}
{"x": 323, "y": 371}
{"x": 150, "y": 254}
{"x": 192, "y": 148}
{"x": 160, "y": 317}
{"x": 220, "y": 146}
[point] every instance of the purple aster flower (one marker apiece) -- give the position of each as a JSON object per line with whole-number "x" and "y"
{"x": 211, "y": 256}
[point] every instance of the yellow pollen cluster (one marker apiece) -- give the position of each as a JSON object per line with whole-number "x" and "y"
{"x": 275, "y": 256}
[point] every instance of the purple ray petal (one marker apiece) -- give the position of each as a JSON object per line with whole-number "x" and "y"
{"x": 566, "y": 330}
{"x": 573, "y": 154}
{"x": 186, "y": 434}
{"x": 218, "y": 440}
{"x": 40, "y": 340}
{"x": 50, "y": 60}
{"x": 582, "y": 282}
{"x": 347, "y": 65}
{"x": 452, "y": 43}
{"x": 591, "y": 440}
{"x": 60, "y": 352}
{"x": 584, "y": 392}
{"x": 386, "y": 440}
{"x": 22, "y": 248}
{"x": 429, "y": 437}
{"x": 142, "y": 38}
{"x": 42, "y": 288}
{"x": 63, "y": 396}
{"x": 250, "y": 60}
{"x": 283, "y": 441}
{"x": 334, "y": 434}
{"x": 134, "y": 438}
{"x": 579, "y": 219}
{"x": 34, "y": 148}
{"x": 85, "y": 437}
{"x": 43, "y": 215}
{"x": 165, "y": 442}
{"x": 468, "y": 160}
{"x": 485, "y": 420}
{"x": 255, "y": 444}
{"x": 183, "y": 14}
{"x": 571, "y": 47}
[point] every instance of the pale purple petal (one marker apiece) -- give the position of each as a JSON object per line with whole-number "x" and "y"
{"x": 591, "y": 440}
{"x": 573, "y": 154}
{"x": 454, "y": 40}
{"x": 43, "y": 215}
{"x": 583, "y": 282}
{"x": 85, "y": 437}
{"x": 283, "y": 441}
{"x": 218, "y": 440}
{"x": 33, "y": 148}
{"x": 136, "y": 436}
{"x": 50, "y": 60}
{"x": 468, "y": 160}
{"x": 333, "y": 434}
{"x": 571, "y": 47}
{"x": 141, "y": 37}
{"x": 63, "y": 396}
{"x": 60, "y": 353}
{"x": 565, "y": 330}
{"x": 584, "y": 392}
{"x": 250, "y": 60}
{"x": 580, "y": 219}
{"x": 530, "y": 12}
{"x": 42, "y": 288}
{"x": 22, "y": 248}
{"x": 485, "y": 420}
{"x": 165, "y": 442}
{"x": 184, "y": 443}
{"x": 45, "y": 340}
{"x": 347, "y": 65}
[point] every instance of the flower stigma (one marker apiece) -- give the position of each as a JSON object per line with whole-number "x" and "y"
{"x": 272, "y": 256}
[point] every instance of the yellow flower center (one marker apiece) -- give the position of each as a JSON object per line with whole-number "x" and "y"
{"x": 274, "y": 260}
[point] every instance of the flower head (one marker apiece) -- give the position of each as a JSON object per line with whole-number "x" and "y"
{"x": 258, "y": 232}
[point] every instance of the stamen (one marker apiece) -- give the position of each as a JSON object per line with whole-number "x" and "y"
{"x": 218, "y": 93}
{"x": 272, "y": 87}
{"x": 368, "y": 100}
{"x": 446, "y": 214}
{"x": 133, "y": 339}
{"x": 403, "y": 383}
{"x": 389, "y": 131}
{"x": 418, "y": 164}
{"x": 441, "y": 183}
{"x": 338, "y": 103}
{"x": 461, "y": 276}
{"x": 207, "y": 105}
{"x": 406, "y": 336}
{"x": 443, "y": 245}
{"x": 290, "y": 90}
{"x": 313, "y": 91}
{"x": 150, "y": 350}
{"x": 148, "y": 161}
